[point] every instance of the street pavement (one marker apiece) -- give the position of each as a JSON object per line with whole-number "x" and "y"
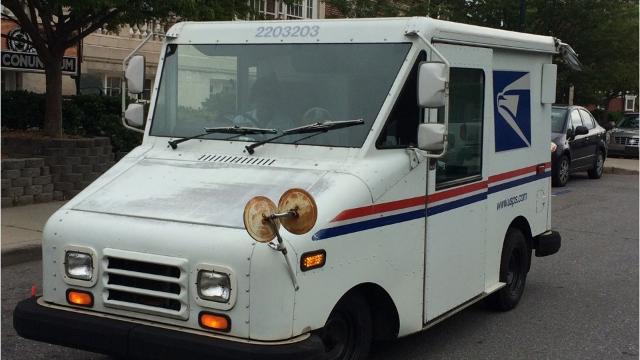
{"x": 581, "y": 303}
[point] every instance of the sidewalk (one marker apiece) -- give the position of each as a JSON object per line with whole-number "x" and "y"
{"x": 620, "y": 166}
{"x": 22, "y": 231}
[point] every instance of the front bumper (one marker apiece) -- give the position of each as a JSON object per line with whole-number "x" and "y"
{"x": 126, "y": 339}
{"x": 547, "y": 243}
{"x": 619, "y": 149}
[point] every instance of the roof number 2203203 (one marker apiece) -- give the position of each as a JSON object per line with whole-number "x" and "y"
{"x": 287, "y": 31}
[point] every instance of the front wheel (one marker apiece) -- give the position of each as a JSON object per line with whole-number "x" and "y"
{"x": 514, "y": 266}
{"x": 598, "y": 166}
{"x": 348, "y": 332}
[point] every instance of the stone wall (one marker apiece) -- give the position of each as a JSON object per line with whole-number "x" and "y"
{"x": 70, "y": 164}
{"x": 27, "y": 181}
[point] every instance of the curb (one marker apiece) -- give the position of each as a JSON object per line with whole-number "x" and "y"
{"x": 619, "y": 171}
{"x": 21, "y": 255}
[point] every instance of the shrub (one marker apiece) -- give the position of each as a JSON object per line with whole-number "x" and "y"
{"x": 82, "y": 115}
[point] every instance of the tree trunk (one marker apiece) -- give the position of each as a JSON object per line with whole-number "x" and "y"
{"x": 53, "y": 112}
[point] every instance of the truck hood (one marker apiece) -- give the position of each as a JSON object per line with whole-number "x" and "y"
{"x": 192, "y": 191}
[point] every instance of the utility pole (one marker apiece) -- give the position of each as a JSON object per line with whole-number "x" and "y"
{"x": 523, "y": 10}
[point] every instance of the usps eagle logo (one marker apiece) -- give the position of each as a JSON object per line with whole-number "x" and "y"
{"x": 512, "y": 109}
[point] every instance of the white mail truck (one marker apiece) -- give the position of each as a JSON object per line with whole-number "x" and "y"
{"x": 305, "y": 188}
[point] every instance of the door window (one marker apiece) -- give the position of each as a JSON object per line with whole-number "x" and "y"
{"x": 463, "y": 160}
{"x": 575, "y": 119}
{"x": 587, "y": 120}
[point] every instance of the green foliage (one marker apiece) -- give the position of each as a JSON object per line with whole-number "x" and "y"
{"x": 83, "y": 115}
{"x": 603, "y": 32}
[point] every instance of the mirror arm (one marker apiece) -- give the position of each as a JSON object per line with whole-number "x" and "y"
{"x": 123, "y": 90}
{"x": 414, "y": 32}
{"x": 280, "y": 246}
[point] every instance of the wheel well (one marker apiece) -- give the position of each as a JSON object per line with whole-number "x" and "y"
{"x": 522, "y": 224}
{"x": 384, "y": 315}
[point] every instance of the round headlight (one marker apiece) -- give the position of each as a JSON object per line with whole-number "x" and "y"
{"x": 78, "y": 265}
{"x": 214, "y": 286}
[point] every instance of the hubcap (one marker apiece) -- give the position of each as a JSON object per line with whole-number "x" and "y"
{"x": 599, "y": 164}
{"x": 564, "y": 171}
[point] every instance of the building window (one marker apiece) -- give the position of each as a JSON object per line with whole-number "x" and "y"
{"x": 278, "y": 9}
{"x": 112, "y": 85}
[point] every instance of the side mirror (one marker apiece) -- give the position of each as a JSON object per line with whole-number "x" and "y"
{"x": 135, "y": 75}
{"x": 581, "y": 130}
{"x": 431, "y": 137}
{"x": 135, "y": 115}
{"x": 432, "y": 82}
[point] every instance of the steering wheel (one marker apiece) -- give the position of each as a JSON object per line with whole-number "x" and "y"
{"x": 317, "y": 114}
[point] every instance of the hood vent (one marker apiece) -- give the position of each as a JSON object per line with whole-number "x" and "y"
{"x": 243, "y": 160}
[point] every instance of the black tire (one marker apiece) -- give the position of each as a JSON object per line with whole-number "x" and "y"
{"x": 514, "y": 265}
{"x": 561, "y": 174}
{"x": 347, "y": 335}
{"x": 598, "y": 166}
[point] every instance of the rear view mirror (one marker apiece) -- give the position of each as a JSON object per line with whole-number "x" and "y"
{"x": 431, "y": 137}
{"x": 135, "y": 75}
{"x": 135, "y": 115}
{"x": 432, "y": 81}
{"x": 581, "y": 130}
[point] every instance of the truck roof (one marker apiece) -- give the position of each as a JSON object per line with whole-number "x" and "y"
{"x": 357, "y": 31}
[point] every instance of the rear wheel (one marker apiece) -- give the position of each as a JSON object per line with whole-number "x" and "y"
{"x": 561, "y": 174}
{"x": 347, "y": 334}
{"x": 598, "y": 166}
{"x": 514, "y": 266}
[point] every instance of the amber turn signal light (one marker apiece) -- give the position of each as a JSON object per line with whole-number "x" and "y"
{"x": 313, "y": 260}
{"x": 80, "y": 298}
{"x": 214, "y": 322}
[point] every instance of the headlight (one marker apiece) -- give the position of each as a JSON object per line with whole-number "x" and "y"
{"x": 553, "y": 147}
{"x": 214, "y": 286}
{"x": 78, "y": 265}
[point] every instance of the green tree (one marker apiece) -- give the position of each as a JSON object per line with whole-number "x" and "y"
{"x": 367, "y": 8}
{"x": 56, "y": 25}
{"x": 603, "y": 32}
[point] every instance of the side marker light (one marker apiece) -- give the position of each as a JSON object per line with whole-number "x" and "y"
{"x": 313, "y": 260}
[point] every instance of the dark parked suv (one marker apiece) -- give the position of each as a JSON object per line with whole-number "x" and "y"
{"x": 578, "y": 143}
{"x": 625, "y": 136}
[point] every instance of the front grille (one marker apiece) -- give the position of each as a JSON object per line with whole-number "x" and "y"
{"x": 144, "y": 300}
{"x": 625, "y": 140}
{"x": 145, "y": 283}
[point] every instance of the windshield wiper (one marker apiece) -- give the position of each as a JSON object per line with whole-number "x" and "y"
{"x": 318, "y": 127}
{"x": 238, "y": 130}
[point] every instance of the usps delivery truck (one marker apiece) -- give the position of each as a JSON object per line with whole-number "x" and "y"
{"x": 305, "y": 188}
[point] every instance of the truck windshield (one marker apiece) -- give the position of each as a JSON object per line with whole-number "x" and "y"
{"x": 279, "y": 86}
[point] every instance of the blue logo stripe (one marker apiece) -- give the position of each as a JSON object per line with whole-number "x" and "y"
{"x": 510, "y": 184}
{"x": 416, "y": 214}
{"x": 368, "y": 224}
{"x": 456, "y": 204}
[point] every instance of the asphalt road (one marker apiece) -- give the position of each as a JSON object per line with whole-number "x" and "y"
{"x": 581, "y": 303}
